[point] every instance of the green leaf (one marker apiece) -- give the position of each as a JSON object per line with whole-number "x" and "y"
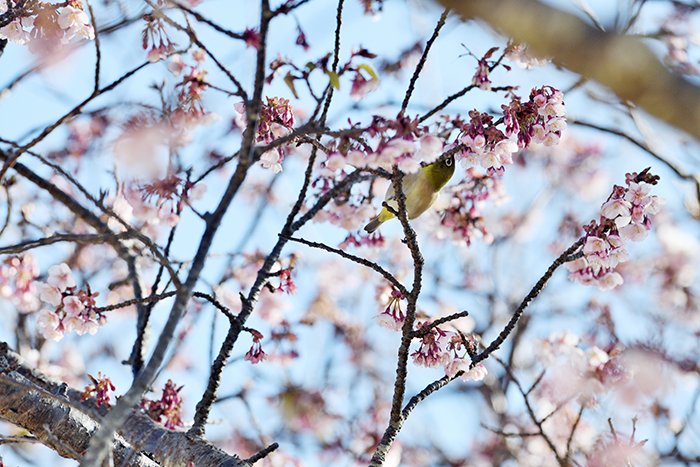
{"x": 369, "y": 70}
{"x": 335, "y": 81}
{"x": 289, "y": 81}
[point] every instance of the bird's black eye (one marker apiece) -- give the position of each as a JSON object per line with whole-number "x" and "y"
{"x": 448, "y": 162}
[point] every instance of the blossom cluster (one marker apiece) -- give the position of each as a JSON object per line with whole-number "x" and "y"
{"x": 626, "y": 215}
{"x": 169, "y": 196}
{"x": 192, "y": 84}
{"x": 276, "y": 120}
{"x": 168, "y": 409}
{"x": 347, "y": 214}
{"x": 375, "y": 239}
{"x": 17, "y": 274}
{"x": 47, "y": 25}
{"x": 481, "y": 78}
{"x": 71, "y": 309}
{"x": 155, "y": 36}
{"x": 449, "y": 350}
{"x": 437, "y": 346}
{"x": 398, "y": 142}
{"x": 574, "y": 372}
{"x": 539, "y": 120}
{"x": 620, "y": 450}
{"x": 463, "y": 217}
{"x": 99, "y": 389}
{"x": 255, "y": 354}
{"x": 393, "y": 316}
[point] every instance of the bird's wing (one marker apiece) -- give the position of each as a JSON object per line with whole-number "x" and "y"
{"x": 409, "y": 182}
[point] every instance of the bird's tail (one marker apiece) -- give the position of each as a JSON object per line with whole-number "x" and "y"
{"x": 373, "y": 225}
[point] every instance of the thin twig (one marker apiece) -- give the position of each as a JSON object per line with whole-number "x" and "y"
{"x": 98, "y": 53}
{"x": 262, "y": 453}
{"x": 248, "y": 302}
{"x": 364, "y": 262}
{"x": 423, "y": 58}
{"x": 534, "y": 292}
{"x": 418, "y": 333}
{"x": 10, "y": 162}
{"x": 76, "y": 238}
{"x": 695, "y": 178}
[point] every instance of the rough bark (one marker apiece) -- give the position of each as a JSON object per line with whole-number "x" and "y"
{"x": 55, "y": 415}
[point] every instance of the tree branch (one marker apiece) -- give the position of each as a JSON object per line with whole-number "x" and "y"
{"x": 622, "y": 63}
{"x": 55, "y": 414}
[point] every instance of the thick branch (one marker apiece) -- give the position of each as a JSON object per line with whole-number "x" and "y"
{"x": 56, "y": 416}
{"x": 622, "y": 63}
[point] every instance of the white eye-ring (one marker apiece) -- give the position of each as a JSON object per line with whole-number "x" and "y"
{"x": 448, "y": 162}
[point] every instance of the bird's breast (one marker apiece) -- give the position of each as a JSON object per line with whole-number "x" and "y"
{"x": 419, "y": 200}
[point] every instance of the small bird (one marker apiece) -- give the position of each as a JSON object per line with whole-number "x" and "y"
{"x": 421, "y": 191}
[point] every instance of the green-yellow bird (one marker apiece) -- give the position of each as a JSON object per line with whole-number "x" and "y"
{"x": 421, "y": 190}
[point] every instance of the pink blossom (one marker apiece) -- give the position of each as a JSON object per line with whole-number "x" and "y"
{"x": 85, "y": 326}
{"x": 99, "y": 389}
{"x": 76, "y": 23}
{"x": 73, "y": 306}
{"x": 18, "y": 31}
{"x": 408, "y": 165}
{"x": 456, "y": 365}
{"x": 198, "y": 55}
{"x": 637, "y": 192}
{"x": 362, "y": 86}
{"x": 61, "y": 277}
{"x": 430, "y": 148}
{"x": 271, "y": 160}
{"x": 335, "y": 162}
{"x": 255, "y": 354}
{"x": 478, "y": 373}
{"x": 356, "y": 158}
{"x": 393, "y": 316}
{"x": 176, "y": 65}
{"x": 168, "y": 409}
{"x": 615, "y": 208}
{"x": 634, "y": 232}
{"x": 252, "y": 38}
{"x": 49, "y": 294}
{"x": 594, "y": 245}
{"x": 240, "y": 118}
{"x": 620, "y": 452}
{"x": 50, "y": 325}
{"x": 609, "y": 280}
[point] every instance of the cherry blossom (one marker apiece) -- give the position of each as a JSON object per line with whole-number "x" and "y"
{"x": 255, "y": 354}
{"x": 393, "y": 316}
{"x": 18, "y": 31}
{"x": 75, "y": 22}
{"x": 61, "y": 277}
{"x": 73, "y": 309}
{"x": 99, "y": 389}
{"x": 17, "y": 274}
{"x": 625, "y": 216}
{"x": 168, "y": 409}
